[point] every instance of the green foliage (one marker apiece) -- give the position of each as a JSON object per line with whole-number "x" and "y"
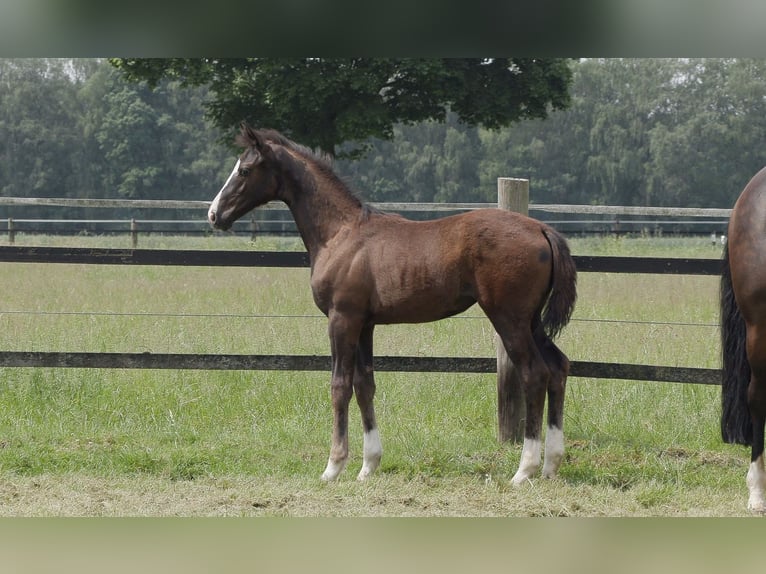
{"x": 325, "y": 102}
{"x": 75, "y": 128}
{"x": 154, "y": 140}
{"x": 38, "y": 114}
{"x": 661, "y": 132}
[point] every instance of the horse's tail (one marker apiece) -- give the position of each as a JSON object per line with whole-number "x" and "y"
{"x": 736, "y": 426}
{"x": 561, "y": 300}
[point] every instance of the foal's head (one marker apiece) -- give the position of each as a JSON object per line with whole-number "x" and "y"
{"x": 253, "y": 181}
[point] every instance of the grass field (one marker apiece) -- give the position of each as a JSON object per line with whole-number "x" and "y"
{"x": 111, "y": 442}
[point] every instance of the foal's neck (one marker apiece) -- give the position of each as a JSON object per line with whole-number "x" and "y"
{"x": 321, "y": 205}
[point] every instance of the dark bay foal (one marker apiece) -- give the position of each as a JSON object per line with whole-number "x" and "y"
{"x": 370, "y": 268}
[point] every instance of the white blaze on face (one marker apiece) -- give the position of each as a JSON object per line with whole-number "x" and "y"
{"x": 214, "y": 205}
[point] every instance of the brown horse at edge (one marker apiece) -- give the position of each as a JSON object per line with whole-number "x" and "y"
{"x": 743, "y": 333}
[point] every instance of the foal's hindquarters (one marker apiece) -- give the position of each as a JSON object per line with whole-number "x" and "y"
{"x": 542, "y": 367}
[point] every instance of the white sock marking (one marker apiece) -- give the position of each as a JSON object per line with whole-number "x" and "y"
{"x": 372, "y": 453}
{"x": 530, "y": 461}
{"x": 756, "y": 484}
{"x": 333, "y": 470}
{"x": 554, "y": 451}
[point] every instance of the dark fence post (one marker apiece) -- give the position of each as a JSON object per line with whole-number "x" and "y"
{"x": 11, "y": 231}
{"x": 512, "y": 194}
{"x": 133, "y": 233}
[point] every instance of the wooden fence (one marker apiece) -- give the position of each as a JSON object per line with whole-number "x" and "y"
{"x": 698, "y": 220}
{"x": 512, "y": 194}
{"x": 175, "y": 205}
{"x": 586, "y": 264}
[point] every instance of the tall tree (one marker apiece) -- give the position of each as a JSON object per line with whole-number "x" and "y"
{"x": 37, "y": 128}
{"x": 324, "y": 102}
{"x": 40, "y": 142}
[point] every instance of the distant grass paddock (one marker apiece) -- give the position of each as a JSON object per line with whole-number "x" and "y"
{"x": 118, "y": 442}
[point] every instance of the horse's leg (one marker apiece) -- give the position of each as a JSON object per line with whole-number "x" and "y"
{"x": 554, "y": 437}
{"x": 364, "y": 388}
{"x": 344, "y": 338}
{"x": 756, "y": 475}
{"x": 534, "y": 375}
{"x": 535, "y": 380}
{"x": 756, "y": 400}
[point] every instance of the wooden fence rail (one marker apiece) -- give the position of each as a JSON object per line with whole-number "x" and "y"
{"x": 696, "y": 220}
{"x": 202, "y": 206}
{"x": 66, "y": 255}
{"x": 211, "y": 258}
{"x": 322, "y": 363}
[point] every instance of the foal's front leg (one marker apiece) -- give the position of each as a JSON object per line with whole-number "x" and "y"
{"x": 364, "y": 389}
{"x": 344, "y": 338}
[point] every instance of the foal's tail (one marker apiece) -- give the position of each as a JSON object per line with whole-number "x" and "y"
{"x": 736, "y": 426}
{"x": 561, "y": 300}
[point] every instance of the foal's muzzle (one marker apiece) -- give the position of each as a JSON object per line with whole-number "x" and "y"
{"x": 216, "y": 222}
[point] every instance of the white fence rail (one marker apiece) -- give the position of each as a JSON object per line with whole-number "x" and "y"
{"x": 391, "y": 206}
{"x": 697, "y": 220}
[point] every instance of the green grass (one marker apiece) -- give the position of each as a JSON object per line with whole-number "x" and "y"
{"x": 122, "y": 442}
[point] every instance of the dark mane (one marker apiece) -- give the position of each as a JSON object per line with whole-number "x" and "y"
{"x": 322, "y": 161}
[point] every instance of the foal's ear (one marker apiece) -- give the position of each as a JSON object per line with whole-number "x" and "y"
{"x": 255, "y": 139}
{"x": 247, "y": 133}
{"x": 245, "y": 136}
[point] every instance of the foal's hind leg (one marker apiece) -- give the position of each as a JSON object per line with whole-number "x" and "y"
{"x": 364, "y": 388}
{"x": 554, "y": 437}
{"x": 526, "y": 357}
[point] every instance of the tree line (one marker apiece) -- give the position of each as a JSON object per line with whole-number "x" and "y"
{"x": 654, "y": 132}
{"x": 662, "y": 132}
{"x": 78, "y": 129}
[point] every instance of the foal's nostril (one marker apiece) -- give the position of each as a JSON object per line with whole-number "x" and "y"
{"x": 211, "y": 217}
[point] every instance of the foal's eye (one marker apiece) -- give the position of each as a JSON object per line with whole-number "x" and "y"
{"x": 244, "y": 172}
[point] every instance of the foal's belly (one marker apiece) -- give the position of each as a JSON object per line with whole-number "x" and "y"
{"x": 422, "y": 310}
{"x": 419, "y": 292}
